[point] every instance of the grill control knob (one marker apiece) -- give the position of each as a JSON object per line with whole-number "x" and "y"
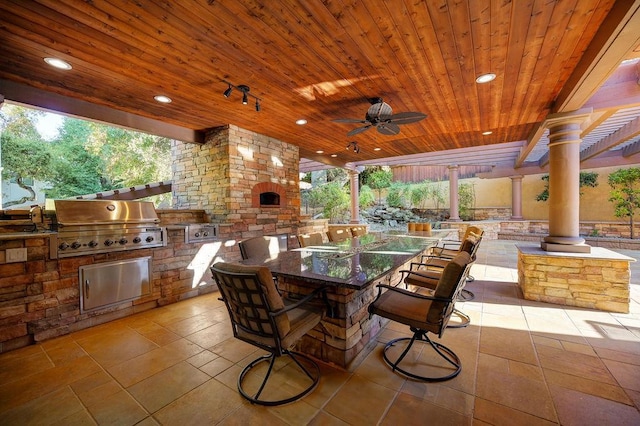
{"x": 108, "y": 242}
{"x": 149, "y": 239}
{"x": 92, "y": 243}
{"x": 63, "y": 246}
{"x": 123, "y": 241}
{"x": 75, "y": 245}
{"x": 197, "y": 234}
{"x": 136, "y": 240}
{"x": 206, "y": 234}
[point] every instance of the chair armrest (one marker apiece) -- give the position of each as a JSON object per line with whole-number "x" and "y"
{"x": 412, "y": 294}
{"x": 304, "y": 300}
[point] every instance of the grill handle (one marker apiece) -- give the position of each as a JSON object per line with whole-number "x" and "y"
{"x": 86, "y": 289}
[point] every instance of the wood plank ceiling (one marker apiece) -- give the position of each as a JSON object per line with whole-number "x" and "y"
{"x": 317, "y": 60}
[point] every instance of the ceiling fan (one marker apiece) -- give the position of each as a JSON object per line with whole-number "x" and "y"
{"x": 381, "y": 116}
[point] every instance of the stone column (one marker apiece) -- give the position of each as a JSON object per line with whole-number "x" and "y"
{"x": 516, "y": 197}
{"x": 453, "y": 194}
{"x": 355, "y": 195}
{"x": 564, "y": 183}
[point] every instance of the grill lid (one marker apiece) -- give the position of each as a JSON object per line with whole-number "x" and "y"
{"x": 104, "y": 212}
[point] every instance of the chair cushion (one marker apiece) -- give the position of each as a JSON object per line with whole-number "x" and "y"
{"x": 426, "y": 278}
{"x": 405, "y": 309}
{"x": 449, "y": 282}
{"x": 260, "y": 248}
{"x": 268, "y": 286}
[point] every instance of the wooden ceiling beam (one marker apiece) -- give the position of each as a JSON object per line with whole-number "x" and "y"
{"x": 30, "y": 96}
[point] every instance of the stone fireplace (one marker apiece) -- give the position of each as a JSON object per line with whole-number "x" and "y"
{"x": 246, "y": 182}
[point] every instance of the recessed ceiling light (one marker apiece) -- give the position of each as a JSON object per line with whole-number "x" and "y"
{"x": 485, "y": 78}
{"x": 334, "y": 155}
{"x": 377, "y": 149}
{"x": 319, "y": 151}
{"x": 163, "y": 99}
{"x": 58, "y": 63}
{"x": 301, "y": 122}
{"x": 487, "y": 133}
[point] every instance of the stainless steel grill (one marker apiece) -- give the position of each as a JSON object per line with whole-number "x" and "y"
{"x": 102, "y": 226}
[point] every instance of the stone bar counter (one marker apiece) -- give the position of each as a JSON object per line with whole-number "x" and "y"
{"x": 349, "y": 270}
{"x": 596, "y": 280}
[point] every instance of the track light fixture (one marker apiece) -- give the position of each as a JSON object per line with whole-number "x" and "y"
{"x": 353, "y": 145}
{"x": 246, "y": 92}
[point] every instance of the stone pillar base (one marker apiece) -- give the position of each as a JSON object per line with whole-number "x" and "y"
{"x": 566, "y": 248}
{"x": 597, "y": 280}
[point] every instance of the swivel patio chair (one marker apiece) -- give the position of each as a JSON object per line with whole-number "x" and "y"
{"x": 314, "y": 239}
{"x": 450, "y": 248}
{"x": 338, "y": 234}
{"x": 423, "y": 314}
{"x": 260, "y": 248}
{"x": 260, "y": 317}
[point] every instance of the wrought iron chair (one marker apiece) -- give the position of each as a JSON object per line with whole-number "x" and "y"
{"x": 423, "y": 314}
{"x": 450, "y": 248}
{"x": 427, "y": 273}
{"x": 307, "y": 240}
{"x": 260, "y": 317}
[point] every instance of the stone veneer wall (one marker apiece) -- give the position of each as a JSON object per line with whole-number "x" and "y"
{"x": 219, "y": 176}
{"x": 599, "y": 280}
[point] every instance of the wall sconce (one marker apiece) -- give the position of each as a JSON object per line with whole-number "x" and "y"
{"x": 245, "y": 93}
{"x": 353, "y": 145}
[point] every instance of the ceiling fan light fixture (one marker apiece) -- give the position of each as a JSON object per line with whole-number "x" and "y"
{"x": 485, "y": 78}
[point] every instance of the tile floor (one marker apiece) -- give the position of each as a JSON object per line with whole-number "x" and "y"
{"x": 524, "y": 363}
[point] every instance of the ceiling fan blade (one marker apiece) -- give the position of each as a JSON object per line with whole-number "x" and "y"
{"x": 358, "y": 130}
{"x": 348, "y": 120}
{"x": 407, "y": 117}
{"x": 389, "y": 129}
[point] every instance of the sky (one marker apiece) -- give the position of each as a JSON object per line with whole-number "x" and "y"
{"x": 48, "y": 125}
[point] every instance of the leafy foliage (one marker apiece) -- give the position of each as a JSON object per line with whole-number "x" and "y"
{"x": 396, "y": 197}
{"x": 466, "y": 200}
{"x": 379, "y": 180}
{"x": 625, "y": 194}
{"x": 586, "y": 179}
{"x": 366, "y": 197}
{"x": 84, "y": 158}
{"x": 336, "y": 201}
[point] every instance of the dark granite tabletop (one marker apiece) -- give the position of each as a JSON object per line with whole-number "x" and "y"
{"x": 354, "y": 263}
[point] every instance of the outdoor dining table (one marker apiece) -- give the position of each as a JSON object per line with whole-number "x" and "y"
{"x": 349, "y": 270}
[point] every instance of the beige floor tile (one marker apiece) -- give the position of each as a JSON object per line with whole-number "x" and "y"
{"x": 374, "y": 369}
{"x": 234, "y": 349}
{"x": 49, "y": 408}
{"x": 116, "y": 346}
{"x": 79, "y": 418}
{"x": 408, "y": 410}
{"x": 441, "y": 394}
{"x": 211, "y": 336}
{"x": 207, "y": 404}
{"x": 118, "y": 408}
{"x": 517, "y": 392}
{"x": 252, "y": 415}
{"x": 162, "y": 388}
{"x": 331, "y": 379}
{"x": 628, "y": 375}
{"x": 139, "y": 368}
{"x": 325, "y": 419}
{"x": 577, "y": 364}
{"x": 362, "y": 407}
{"x": 626, "y": 357}
{"x": 576, "y": 408}
{"x": 216, "y": 366}
{"x": 599, "y": 389}
{"x": 23, "y": 362}
{"x": 512, "y": 344}
{"x": 202, "y": 358}
{"x": 95, "y": 395}
{"x": 496, "y": 414}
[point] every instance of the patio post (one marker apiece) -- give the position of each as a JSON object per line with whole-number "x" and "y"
{"x": 516, "y": 197}
{"x": 564, "y": 183}
{"x": 453, "y": 194}
{"x": 355, "y": 195}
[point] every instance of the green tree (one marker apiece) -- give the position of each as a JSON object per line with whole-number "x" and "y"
{"x": 466, "y": 200}
{"x": 586, "y": 179}
{"x": 379, "y": 180}
{"x": 625, "y": 194}
{"x": 336, "y": 201}
{"x": 420, "y": 194}
{"x": 437, "y": 194}
{"x": 23, "y": 152}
